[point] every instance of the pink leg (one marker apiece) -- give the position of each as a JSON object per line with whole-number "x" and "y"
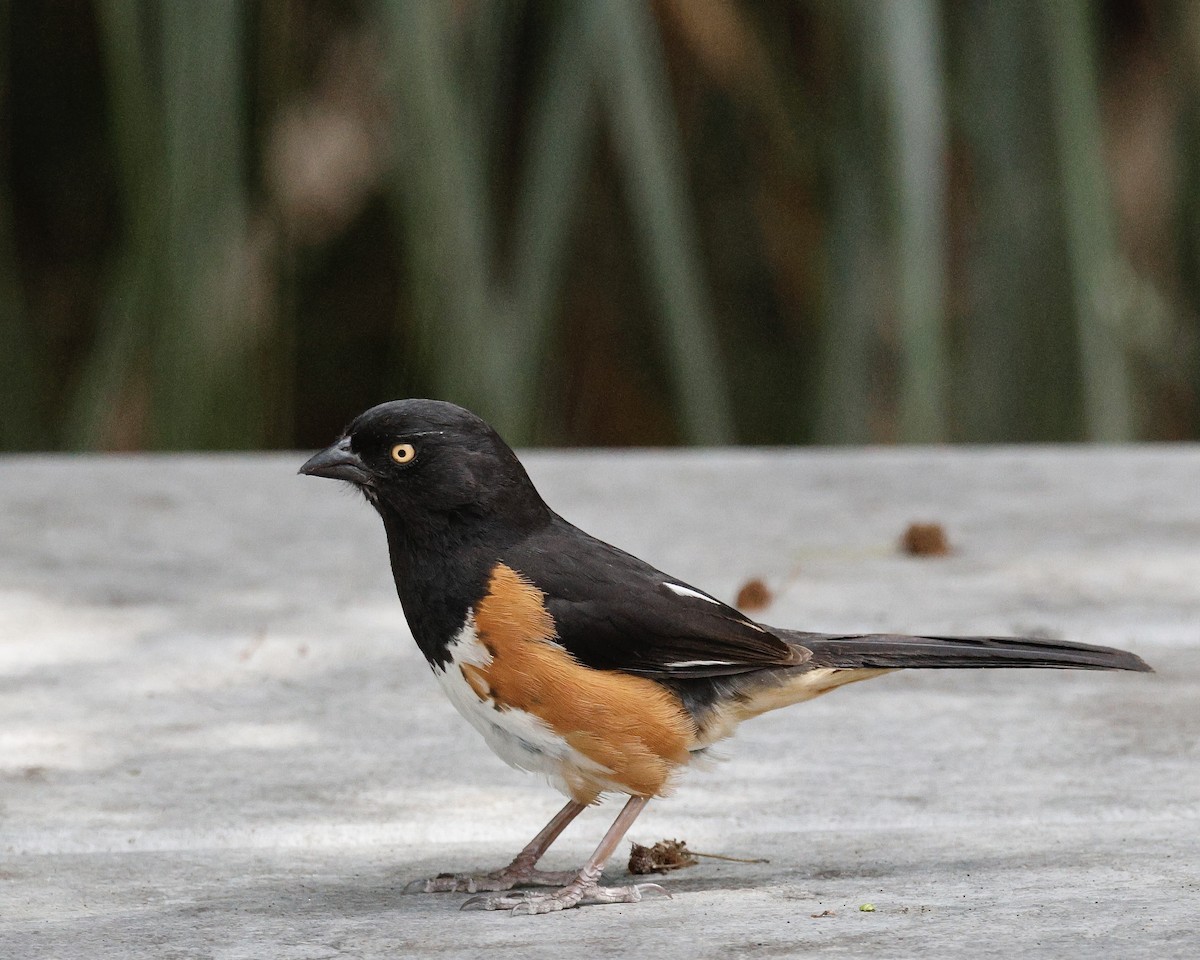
{"x": 585, "y": 887}
{"x": 520, "y": 872}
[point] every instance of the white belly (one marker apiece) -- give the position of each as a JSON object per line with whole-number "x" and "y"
{"x": 518, "y": 738}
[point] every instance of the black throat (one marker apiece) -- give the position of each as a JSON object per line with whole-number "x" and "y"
{"x": 442, "y": 563}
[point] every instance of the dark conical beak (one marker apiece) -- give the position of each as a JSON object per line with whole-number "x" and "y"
{"x": 337, "y": 462}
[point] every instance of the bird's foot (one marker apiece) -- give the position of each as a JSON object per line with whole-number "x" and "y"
{"x": 578, "y": 893}
{"x": 513, "y": 875}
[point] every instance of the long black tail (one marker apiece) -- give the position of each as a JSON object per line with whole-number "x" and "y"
{"x": 896, "y": 651}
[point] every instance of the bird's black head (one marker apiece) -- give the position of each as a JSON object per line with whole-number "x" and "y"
{"x": 423, "y": 462}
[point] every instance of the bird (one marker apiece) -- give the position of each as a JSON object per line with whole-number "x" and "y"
{"x": 575, "y": 659}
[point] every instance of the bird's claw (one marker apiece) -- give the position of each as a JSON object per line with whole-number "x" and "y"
{"x": 572, "y": 895}
{"x": 497, "y": 880}
{"x": 444, "y": 883}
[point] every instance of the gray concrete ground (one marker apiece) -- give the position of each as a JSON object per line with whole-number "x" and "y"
{"x": 217, "y": 739}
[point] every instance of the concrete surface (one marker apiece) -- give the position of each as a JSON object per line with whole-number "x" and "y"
{"x": 217, "y": 739}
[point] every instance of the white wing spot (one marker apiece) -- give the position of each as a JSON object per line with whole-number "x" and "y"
{"x": 688, "y": 592}
{"x": 680, "y": 664}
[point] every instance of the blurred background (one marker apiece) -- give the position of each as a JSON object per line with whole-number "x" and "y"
{"x": 235, "y": 224}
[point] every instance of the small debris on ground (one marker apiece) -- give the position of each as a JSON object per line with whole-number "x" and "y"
{"x": 668, "y": 855}
{"x": 925, "y": 540}
{"x": 824, "y": 913}
{"x": 753, "y": 596}
{"x": 251, "y": 648}
{"x": 663, "y": 857}
{"x": 867, "y": 908}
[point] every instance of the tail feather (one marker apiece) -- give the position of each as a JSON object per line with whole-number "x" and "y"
{"x": 891, "y": 651}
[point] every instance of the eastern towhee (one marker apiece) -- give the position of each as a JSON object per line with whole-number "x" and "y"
{"x": 577, "y": 660}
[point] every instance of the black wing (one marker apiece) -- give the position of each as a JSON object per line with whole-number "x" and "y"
{"x": 613, "y": 611}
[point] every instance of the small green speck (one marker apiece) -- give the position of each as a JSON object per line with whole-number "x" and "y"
{"x": 867, "y": 907}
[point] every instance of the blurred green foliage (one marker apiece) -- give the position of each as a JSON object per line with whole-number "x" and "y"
{"x": 235, "y": 224}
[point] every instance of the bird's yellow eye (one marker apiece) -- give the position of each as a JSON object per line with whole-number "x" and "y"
{"x": 403, "y": 452}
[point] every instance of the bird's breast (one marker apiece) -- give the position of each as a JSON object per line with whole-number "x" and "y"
{"x": 589, "y": 731}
